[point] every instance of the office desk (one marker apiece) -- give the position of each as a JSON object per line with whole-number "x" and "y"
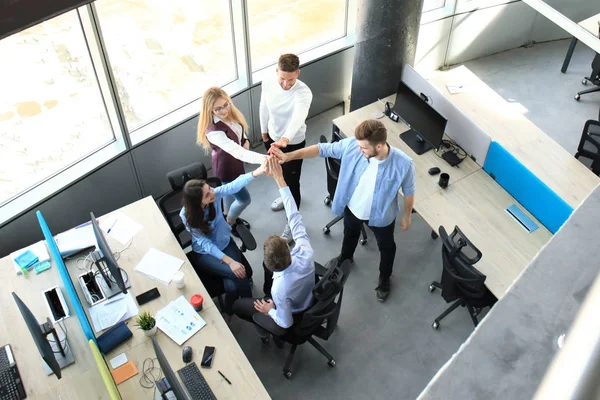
{"x": 426, "y": 184}
{"x": 590, "y": 25}
{"x": 79, "y": 380}
{"x": 229, "y": 358}
{"x": 506, "y": 124}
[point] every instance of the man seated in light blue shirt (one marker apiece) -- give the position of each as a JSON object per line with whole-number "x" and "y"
{"x": 293, "y": 271}
{"x": 371, "y": 173}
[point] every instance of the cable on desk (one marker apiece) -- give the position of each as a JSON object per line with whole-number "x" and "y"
{"x": 63, "y": 343}
{"x": 150, "y": 374}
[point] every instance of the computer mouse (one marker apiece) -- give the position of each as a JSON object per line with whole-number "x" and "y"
{"x": 186, "y": 354}
{"x": 434, "y": 171}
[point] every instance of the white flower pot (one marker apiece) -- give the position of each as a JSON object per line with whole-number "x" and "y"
{"x": 151, "y": 332}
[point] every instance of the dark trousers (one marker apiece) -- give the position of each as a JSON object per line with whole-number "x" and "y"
{"x": 291, "y": 169}
{"x": 268, "y": 284}
{"x": 383, "y": 235}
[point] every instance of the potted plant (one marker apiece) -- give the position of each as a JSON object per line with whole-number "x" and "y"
{"x": 147, "y": 323}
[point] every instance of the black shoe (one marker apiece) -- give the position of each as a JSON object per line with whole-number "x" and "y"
{"x": 383, "y": 290}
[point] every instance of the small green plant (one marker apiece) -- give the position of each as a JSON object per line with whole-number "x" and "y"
{"x": 145, "y": 321}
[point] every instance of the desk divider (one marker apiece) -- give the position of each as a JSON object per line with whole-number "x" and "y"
{"x": 533, "y": 194}
{"x": 64, "y": 274}
{"x": 111, "y": 387}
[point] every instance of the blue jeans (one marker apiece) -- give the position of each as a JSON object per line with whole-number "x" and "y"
{"x": 236, "y": 203}
{"x": 234, "y": 287}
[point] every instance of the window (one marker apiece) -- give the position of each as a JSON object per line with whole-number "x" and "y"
{"x": 292, "y": 26}
{"x": 429, "y": 5}
{"x": 51, "y": 109}
{"x": 164, "y": 54}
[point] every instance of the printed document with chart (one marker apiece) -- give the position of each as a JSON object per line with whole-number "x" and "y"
{"x": 179, "y": 320}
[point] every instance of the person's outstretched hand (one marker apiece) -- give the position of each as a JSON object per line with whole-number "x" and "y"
{"x": 263, "y": 169}
{"x": 281, "y": 143}
{"x": 277, "y": 153}
{"x": 276, "y": 172}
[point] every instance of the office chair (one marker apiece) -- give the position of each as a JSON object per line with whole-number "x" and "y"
{"x": 594, "y": 77}
{"x": 461, "y": 282}
{"x": 170, "y": 205}
{"x": 319, "y": 320}
{"x": 589, "y": 145}
{"x": 332, "y": 165}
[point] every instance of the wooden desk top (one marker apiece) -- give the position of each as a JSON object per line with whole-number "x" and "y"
{"x": 591, "y": 24}
{"x": 506, "y": 124}
{"x": 477, "y": 205}
{"x": 228, "y": 357}
{"x": 79, "y": 380}
{"x": 426, "y": 184}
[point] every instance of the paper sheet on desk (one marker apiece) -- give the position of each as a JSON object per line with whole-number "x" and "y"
{"x": 179, "y": 320}
{"x": 454, "y": 89}
{"x": 158, "y": 266}
{"x": 120, "y": 227}
{"x": 109, "y": 312}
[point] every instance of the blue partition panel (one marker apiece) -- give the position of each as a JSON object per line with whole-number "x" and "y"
{"x": 533, "y": 194}
{"x": 64, "y": 274}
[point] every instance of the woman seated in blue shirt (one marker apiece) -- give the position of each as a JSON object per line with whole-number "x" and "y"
{"x": 213, "y": 249}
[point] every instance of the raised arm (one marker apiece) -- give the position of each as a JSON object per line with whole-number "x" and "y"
{"x": 264, "y": 113}
{"x": 301, "y": 106}
{"x": 240, "y": 182}
{"x": 219, "y": 138}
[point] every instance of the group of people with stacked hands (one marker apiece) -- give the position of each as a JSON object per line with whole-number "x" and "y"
{"x": 371, "y": 174}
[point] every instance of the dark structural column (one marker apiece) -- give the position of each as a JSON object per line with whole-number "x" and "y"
{"x": 386, "y": 39}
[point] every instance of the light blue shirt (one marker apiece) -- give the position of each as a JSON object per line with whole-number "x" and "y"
{"x": 220, "y": 229}
{"x": 395, "y": 172}
{"x": 292, "y": 287}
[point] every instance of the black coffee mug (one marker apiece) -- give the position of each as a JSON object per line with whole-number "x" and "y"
{"x": 444, "y": 180}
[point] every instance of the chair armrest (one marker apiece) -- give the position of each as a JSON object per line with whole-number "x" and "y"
{"x": 267, "y": 323}
{"x": 319, "y": 269}
{"x": 246, "y": 237}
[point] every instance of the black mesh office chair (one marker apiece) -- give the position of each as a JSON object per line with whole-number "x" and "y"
{"x": 332, "y": 166}
{"x": 319, "y": 320}
{"x": 461, "y": 282}
{"x": 170, "y": 205}
{"x": 594, "y": 77}
{"x": 589, "y": 145}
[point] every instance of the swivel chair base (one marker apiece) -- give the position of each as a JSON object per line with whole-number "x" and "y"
{"x": 334, "y": 221}
{"x": 288, "y": 361}
{"x": 473, "y": 311}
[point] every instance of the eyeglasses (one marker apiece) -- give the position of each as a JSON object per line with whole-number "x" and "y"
{"x": 219, "y": 110}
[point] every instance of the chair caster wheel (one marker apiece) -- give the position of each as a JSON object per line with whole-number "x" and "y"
{"x": 584, "y": 81}
{"x": 431, "y": 288}
{"x": 363, "y": 241}
{"x": 577, "y": 97}
{"x": 434, "y": 235}
{"x": 435, "y": 325}
{"x": 327, "y": 201}
{"x": 331, "y": 363}
{"x": 287, "y": 374}
{"x": 326, "y": 231}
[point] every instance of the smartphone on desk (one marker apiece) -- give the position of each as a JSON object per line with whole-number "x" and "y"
{"x": 208, "y": 356}
{"x": 147, "y": 296}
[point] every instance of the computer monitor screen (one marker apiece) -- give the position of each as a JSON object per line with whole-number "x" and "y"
{"x": 39, "y": 337}
{"x": 426, "y": 123}
{"x": 168, "y": 372}
{"x": 109, "y": 259}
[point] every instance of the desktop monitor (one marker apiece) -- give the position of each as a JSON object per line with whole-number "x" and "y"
{"x": 427, "y": 125}
{"x": 114, "y": 275}
{"x": 55, "y": 354}
{"x": 174, "y": 384}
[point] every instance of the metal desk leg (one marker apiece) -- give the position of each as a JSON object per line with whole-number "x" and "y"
{"x": 568, "y": 56}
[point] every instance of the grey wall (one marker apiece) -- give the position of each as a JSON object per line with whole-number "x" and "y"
{"x": 482, "y": 27}
{"x": 114, "y": 185}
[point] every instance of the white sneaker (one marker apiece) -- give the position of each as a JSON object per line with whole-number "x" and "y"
{"x": 287, "y": 234}
{"x": 277, "y": 204}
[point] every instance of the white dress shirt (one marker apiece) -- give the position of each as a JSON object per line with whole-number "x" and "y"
{"x": 283, "y": 112}
{"x": 292, "y": 287}
{"x": 362, "y": 198}
{"x": 219, "y": 138}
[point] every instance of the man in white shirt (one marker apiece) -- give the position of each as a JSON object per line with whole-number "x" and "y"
{"x": 293, "y": 272}
{"x": 284, "y": 106}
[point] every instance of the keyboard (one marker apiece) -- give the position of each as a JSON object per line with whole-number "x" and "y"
{"x": 11, "y": 386}
{"x": 195, "y": 383}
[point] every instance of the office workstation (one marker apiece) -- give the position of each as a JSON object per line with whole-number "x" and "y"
{"x": 484, "y": 171}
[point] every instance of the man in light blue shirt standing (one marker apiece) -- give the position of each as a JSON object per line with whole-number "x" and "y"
{"x": 293, "y": 272}
{"x": 371, "y": 174}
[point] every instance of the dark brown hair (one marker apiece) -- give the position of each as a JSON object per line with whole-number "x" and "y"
{"x": 372, "y": 130}
{"x": 288, "y": 63}
{"x": 194, "y": 212}
{"x": 277, "y": 253}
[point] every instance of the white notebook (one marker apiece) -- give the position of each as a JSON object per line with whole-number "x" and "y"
{"x": 158, "y": 266}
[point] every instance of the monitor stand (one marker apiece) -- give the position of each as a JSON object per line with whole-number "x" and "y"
{"x": 415, "y": 141}
{"x": 57, "y": 338}
{"x": 113, "y": 289}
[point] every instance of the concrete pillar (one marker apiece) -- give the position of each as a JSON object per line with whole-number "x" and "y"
{"x": 386, "y": 39}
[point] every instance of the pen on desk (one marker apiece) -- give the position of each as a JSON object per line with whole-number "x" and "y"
{"x": 112, "y": 226}
{"x": 224, "y": 377}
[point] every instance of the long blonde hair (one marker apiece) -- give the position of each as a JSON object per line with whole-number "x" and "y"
{"x": 206, "y": 114}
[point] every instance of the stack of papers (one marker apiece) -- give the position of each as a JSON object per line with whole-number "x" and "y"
{"x": 159, "y": 266}
{"x": 109, "y": 312}
{"x": 120, "y": 227}
{"x": 38, "y": 249}
{"x": 179, "y": 321}
{"x": 76, "y": 239}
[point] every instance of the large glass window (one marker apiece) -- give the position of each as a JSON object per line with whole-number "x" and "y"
{"x": 164, "y": 54}
{"x": 429, "y": 5}
{"x": 51, "y": 109}
{"x": 292, "y": 26}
